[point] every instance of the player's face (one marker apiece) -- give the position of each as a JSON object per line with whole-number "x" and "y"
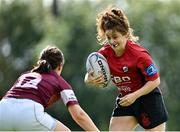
{"x": 116, "y": 40}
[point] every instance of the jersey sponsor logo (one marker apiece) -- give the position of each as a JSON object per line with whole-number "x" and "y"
{"x": 117, "y": 79}
{"x": 151, "y": 70}
{"x": 124, "y": 88}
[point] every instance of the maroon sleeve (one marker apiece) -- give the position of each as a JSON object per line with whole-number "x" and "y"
{"x": 63, "y": 84}
{"x": 67, "y": 93}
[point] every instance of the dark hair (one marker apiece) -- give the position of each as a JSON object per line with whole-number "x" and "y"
{"x": 113, "y": 18}
{"x": 50, "y": 58}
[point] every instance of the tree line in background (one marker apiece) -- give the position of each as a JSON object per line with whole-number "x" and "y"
{"x": 27, "y": 26}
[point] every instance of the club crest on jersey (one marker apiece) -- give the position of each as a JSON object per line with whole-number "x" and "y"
{"x": 125, "y": 69}
{"x": 151, "y": 70}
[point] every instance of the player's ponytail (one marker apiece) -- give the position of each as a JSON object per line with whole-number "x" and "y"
{"x": 50, "y": 58}
{"x": 42, "y": 66}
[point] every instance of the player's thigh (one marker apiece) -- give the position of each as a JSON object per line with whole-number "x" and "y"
{"x": 61, "y": 127}
{"x": 161, "y": 127}
{"x": 30, "y": 116}
{"x": 5, "y": 116}
{"x": 123, "y": 123}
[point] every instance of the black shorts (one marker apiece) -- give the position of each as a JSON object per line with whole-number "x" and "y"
{"x": 149, "y": 110}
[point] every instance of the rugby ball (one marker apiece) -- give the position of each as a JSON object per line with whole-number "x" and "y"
{"x": 97, "y": 63}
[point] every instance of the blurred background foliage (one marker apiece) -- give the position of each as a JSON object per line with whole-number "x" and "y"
{"x": 27, "y": 26}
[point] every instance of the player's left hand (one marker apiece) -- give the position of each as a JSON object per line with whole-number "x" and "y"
{"x": 128, "y": 99}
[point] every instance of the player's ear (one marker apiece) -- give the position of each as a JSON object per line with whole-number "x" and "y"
{"x": 59, "y": 69}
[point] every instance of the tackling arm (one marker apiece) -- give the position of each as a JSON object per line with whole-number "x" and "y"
{"x": 81, "y": 118}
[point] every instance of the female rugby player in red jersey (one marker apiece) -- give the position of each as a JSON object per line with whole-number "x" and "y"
{"x": 22, "y": 108}
{"x": 134, "y": 74}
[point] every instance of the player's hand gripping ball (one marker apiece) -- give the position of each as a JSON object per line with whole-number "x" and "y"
{"x": 97, "y": 63}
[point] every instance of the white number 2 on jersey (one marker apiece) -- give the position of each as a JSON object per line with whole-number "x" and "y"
{"x": 29, "y": 80}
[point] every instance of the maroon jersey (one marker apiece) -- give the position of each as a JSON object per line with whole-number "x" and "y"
{"x": 131, "y": 70}
{"x": 45, "y": 88}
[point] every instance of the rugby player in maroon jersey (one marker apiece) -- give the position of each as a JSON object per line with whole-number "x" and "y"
{"x": 133, "y": 72}
{"x": 22, "y": 108}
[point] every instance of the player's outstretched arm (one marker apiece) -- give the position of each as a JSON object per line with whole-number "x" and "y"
{"x": 82, "y": 118}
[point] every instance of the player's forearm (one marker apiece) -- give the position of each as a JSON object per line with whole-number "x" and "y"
{"x": 85, "y": 122}
{"x": 82, "y": 118}
{"x": 147, "y": 88}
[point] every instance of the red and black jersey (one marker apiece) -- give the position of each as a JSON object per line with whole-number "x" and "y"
{"x": 45, "y": 88}
{"x": 132, "y": 69}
